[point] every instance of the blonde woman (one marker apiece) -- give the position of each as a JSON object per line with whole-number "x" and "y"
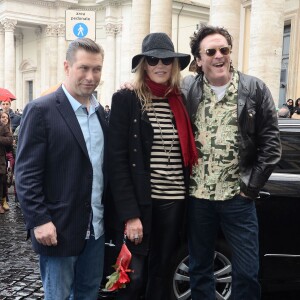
{"x": 152, "y": 150}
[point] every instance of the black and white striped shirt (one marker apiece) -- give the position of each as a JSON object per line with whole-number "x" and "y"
{"x": 167, "y": 181}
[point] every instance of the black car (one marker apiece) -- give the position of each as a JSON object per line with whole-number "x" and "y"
{"x": 278, "y": 210}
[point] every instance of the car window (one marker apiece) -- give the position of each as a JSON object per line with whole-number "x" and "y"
{"x": 290, "y": 140}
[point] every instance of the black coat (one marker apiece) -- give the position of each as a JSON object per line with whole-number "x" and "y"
{"x": 54, "y": 173}
{"x": 258, "y": 132}
{"x": 14, "y": 120}
{"x": 6, "y": 141}
{"x": 130, "y": 143}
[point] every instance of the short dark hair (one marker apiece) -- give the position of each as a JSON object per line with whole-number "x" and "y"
{"x": 86, "y": 44}
{"x": 202, "y": 33}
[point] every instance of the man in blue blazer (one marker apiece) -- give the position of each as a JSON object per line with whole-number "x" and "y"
{"x": 60, "y": 177}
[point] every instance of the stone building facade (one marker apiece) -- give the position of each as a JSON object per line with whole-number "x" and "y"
{"x": 33, "y": 43}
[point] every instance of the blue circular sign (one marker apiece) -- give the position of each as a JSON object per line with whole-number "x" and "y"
{"x": 80, "y": 30}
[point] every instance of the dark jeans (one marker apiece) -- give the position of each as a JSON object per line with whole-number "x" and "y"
{"x": 238, "y": 221}
{"x": 167, "y": 220}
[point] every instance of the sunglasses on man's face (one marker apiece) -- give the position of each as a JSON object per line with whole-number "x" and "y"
{"x": 153, "y": 61}
{"x": 212, "y": 51}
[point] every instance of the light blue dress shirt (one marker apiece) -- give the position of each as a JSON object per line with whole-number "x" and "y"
{"x": 94, "y": 139}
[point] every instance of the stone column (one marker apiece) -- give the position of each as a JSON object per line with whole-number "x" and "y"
{"x": 51, "y": 55}
{"x": 19, "y": 92}
{"x": 266, "y": 29}
{"x": 140, "y": 24}
{"x": 37, "y": 86}
{"x": 61, "y": 52}
{"x": 226, "y": 13}
{"x": 9, "y": 55}
{"x": 2, "y": 42}
{"x": 161, "y": 16}
{"x": 110, "y": 62}
{"x": 118, "y": 59}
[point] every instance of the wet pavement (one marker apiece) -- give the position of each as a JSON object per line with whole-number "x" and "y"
{"x": 19, "y": 271}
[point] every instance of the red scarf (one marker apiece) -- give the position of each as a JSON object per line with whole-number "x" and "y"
{"x": 184, "y": 128}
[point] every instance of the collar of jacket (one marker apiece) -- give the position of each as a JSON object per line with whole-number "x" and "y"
{"x": 195, "y": 95}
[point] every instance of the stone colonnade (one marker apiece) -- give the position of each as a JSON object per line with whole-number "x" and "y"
{"x": 266, "y": 32}
{"x": 141, "y": 25}
{"x": 55, "y": 47}
{"x": 256, "y": 27}
{"x": 55, "y": 53}
{"x": 7, "y": 56}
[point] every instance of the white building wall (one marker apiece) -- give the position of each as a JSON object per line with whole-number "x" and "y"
{"x": 32, "y": 43}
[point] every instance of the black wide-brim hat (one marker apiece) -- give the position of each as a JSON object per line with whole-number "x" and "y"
{"x": 160, "y": 45}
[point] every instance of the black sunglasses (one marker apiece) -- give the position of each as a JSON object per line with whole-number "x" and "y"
{"x": 212, "y": 51}
{"x": 153, "y": 61}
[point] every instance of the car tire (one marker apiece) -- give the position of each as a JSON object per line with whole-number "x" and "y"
{"x": 180, "y": 280}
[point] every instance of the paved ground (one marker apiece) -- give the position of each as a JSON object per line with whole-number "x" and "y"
{"x": 19, "y": 273}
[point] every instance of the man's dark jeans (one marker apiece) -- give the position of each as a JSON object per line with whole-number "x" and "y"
{"x": 238, "y": 221}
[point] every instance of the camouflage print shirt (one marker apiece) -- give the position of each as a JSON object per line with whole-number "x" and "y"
{"x": 216, "y": 177}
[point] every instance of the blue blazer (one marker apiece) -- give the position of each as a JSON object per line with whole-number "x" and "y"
{"x": 54, "y": 173}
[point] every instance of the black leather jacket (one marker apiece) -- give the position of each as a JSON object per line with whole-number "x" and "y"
{"x": 258, "y": 138}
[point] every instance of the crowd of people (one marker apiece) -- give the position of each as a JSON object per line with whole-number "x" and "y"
{"x": 9, "y": 123}
{"x": 182, "y": 157}
{"x": 290, "y": 110}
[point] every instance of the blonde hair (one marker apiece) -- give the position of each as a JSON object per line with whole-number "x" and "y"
{"x": 142, "y": 90}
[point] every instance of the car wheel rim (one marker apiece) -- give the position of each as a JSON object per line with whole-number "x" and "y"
{"x": 222, "y": 274}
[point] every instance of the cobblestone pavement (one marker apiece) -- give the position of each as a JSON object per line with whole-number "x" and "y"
{"x": 19, "y": 271}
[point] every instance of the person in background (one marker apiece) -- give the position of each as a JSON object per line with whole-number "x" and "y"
{"x": 290, "y": 105}
{"x": 188, "y": 79}
{"x": 61, "y": 177}
{"x": 107, "y": 114}
{"x": 296, "y": 113}
{"x": 297, "y": 105}
{"x": 237, "y": 137}
{"x": 14, "y": 118}
{"x": 283, "y": 112}
{"x": 151, "y": 151}
{"x": 6, "y": 140}
{"x": 10, "y": 161}
{"x": 15, "y": 145}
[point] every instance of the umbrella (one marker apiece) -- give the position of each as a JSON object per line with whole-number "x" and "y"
{"x": 6, "y": 95}
{"x": 119, "y": 278}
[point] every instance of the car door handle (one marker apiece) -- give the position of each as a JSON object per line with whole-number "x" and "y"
{"x": 263, "y": 195}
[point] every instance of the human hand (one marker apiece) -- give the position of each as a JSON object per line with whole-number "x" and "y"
{"x": 46, "y": 234}
{"x": 134, "y": 230}
{"x": 243, "y": 195}
{"x": 127, "y": 86}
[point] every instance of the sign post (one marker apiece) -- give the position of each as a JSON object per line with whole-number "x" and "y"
{"x": 80, "y": 24}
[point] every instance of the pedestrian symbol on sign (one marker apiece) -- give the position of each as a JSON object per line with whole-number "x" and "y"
{"x": 80, "y": 30}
